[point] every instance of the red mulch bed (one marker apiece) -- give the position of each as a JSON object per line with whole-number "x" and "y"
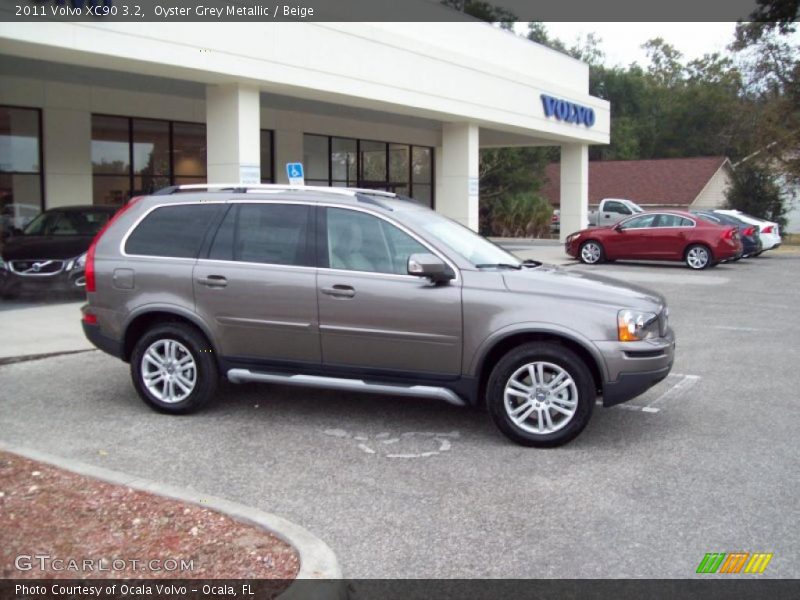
{"x": 46, "y": 510}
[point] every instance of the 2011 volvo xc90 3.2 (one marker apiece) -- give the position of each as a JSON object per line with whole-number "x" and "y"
{"x": 361, "y": 290}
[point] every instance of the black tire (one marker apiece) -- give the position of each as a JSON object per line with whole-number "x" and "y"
{"x": 601, "y": 254}
{"x": 195, "y": 344}
{"x": 697, "y": 250}
{"x": 545, "y": 352}
{"x": 759, "y": 253}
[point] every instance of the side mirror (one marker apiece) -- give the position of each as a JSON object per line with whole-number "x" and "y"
{"x": 430, "y": 266}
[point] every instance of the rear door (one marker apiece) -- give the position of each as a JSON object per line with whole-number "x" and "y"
{"x": 669, "y": 236}
{"x": 373, "y": 315}
{"x": 257, "y": 284}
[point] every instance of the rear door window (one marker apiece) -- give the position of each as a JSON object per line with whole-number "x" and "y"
{"x": 270, "y": 233}
{"x": 173, "y": 231}
{"x": 672, "y": 221}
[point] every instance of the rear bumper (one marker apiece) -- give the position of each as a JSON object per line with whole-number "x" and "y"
{"x": 102, "y": 342}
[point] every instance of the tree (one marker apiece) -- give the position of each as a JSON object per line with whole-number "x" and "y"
{"x": 506, "y": 173}
{"x": 753, "y": 190}
{"x": 768, "y": 17}
{"x": 484, "y": 11}
{"x": 521, "y": 215}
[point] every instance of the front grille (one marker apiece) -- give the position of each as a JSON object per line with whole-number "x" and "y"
{"x": 37, "y": 268}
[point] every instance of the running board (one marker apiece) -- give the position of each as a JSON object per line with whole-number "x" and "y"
{"x": 351, "y": 385}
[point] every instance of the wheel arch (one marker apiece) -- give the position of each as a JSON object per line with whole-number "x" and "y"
{"x": 498, "y": 347}
{"x": 145, "y": 319}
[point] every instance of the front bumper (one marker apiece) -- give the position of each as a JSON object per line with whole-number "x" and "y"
{"x": 64, "y": 281}
{"x": 635, "y": 367}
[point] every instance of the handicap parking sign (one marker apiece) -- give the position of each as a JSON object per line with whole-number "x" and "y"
{"x": 295, "y": 173}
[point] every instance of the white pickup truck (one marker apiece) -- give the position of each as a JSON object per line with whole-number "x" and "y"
{"x": 612, "y": 210}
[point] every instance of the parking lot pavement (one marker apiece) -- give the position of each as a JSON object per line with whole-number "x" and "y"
{"x": 707, "y": 461}
{"x": 41, "y": 325}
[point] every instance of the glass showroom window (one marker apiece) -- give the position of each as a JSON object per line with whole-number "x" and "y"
{"x": 399, "y": 168}
{"x": 20, "y": 167}
{"x": 133, "y": 156}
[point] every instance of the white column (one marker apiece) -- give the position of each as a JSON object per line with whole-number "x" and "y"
{"x": 233, "y": 134}
{"x": 574, "y": 188}
{"x": 67, "y": 138}
{"x": 457, "y": 174}
{"x": 288, "y": 148}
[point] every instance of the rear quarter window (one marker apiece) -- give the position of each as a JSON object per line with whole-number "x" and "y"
{"x": 172, "y": 231}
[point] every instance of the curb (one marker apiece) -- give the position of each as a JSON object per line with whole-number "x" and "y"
{"x": 317, "y": 560}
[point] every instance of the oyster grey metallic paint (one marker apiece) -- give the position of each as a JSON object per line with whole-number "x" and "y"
{"x": 313, "y": 318}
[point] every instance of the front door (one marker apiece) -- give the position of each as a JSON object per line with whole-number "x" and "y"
{"x": 373, "y": 315}
{"x": 257, "y": 286}
{"x": 632, "y": 238}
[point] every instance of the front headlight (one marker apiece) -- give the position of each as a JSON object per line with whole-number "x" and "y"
{"x": 635, "y": 325}
{"x": 571, "y": 238}
{"x": 77, "y": 263}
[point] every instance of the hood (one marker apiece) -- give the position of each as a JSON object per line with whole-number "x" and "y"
{"x": 557, "y": 282}
{"x": 48, "y": 247}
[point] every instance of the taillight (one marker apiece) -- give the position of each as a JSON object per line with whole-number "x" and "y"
{"x": 90, "y": 319}
{"x": 89, "y": 272}
{"x": 729, "y": 234}
{"x": 750, "y": 231}
{"x": 767, "y": 229}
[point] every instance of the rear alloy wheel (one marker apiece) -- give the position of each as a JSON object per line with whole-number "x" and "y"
{"x": 591, "y": 252}
{"x": 698, "y": 257}
{"x": 541, "y": 394}
{"x": 173, "y": 369}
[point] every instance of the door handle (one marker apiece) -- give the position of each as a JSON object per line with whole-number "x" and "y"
{"x": 213, "y": 281}
{"x": 339, "y": 291}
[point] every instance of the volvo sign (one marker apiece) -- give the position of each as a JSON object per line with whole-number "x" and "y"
{"x": 566, "y": 111}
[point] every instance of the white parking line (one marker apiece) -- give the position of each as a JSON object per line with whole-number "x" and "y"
{"x": 678, "y": 390}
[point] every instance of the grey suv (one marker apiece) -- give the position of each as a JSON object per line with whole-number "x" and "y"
{"x": 361, "y": 290}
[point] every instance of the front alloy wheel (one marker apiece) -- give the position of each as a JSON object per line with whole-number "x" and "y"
{"x": 540, "y": 397}
{"x": 591, "y": 253}
{"x": 541, "y": 394}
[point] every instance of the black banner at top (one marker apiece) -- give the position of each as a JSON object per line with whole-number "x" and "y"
{"x": 182, "y": 11}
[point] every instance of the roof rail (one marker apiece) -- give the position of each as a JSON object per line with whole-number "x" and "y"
{"x": 276, "y": 187}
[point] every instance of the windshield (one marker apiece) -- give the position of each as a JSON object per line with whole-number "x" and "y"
{"x": 462, "y": 240}
{"x": 635, "y": 207}
{"x": 68, "y": 222}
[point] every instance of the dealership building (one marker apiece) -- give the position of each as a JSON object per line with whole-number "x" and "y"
{"x": 94, "y": 112}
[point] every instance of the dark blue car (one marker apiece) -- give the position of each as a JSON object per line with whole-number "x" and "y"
{"x": 751, "y": 242}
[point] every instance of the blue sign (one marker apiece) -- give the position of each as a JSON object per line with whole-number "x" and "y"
{"x": 569, "y": 112}
{"x": 294, "y": 171}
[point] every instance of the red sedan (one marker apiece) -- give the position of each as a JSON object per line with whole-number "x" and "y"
{"x": 658, "y": 235}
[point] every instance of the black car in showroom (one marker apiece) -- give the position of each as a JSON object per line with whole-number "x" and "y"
{"x": 50, "y": 253}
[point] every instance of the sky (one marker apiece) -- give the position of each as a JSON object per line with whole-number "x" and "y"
{"x": 622, "y": 42}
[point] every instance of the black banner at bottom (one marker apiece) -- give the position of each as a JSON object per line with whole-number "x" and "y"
{"x": 713, "y": 588}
